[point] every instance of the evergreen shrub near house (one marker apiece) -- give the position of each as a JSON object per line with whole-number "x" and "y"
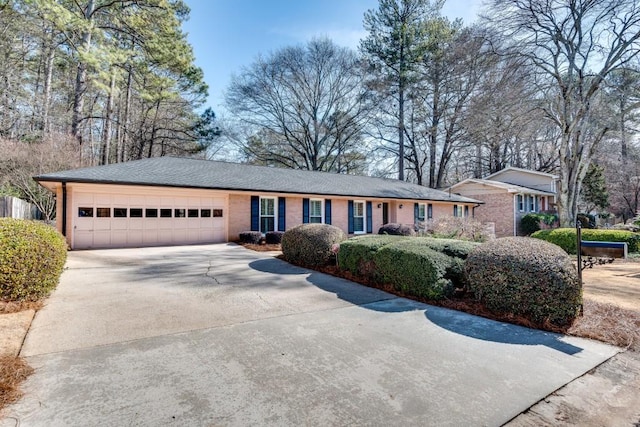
{"x": 418, "y": 266}
{"x": 525, "y": 277}
{"x": 251, "y": 237}
{"x": 32, "y": 257}
{"x": 311, "y": 245}
{"x": 530, "y": 223}
{"x": 273, "y": 237}
{"x": 566, "y": 237}
{"x": 394, "y": 229}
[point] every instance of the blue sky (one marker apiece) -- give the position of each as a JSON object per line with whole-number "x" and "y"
{"x": 229, "y": 34}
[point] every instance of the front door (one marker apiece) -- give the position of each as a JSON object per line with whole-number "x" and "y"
{"x": 385, "y": 213}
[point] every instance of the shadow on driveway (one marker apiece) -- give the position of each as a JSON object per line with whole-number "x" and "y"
{"x": 451, "y": 320}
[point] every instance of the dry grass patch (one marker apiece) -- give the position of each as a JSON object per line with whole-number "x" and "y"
{"x": 8, "y": 307}
{"x": 609, "y": 323}
{"x": 13, "y": 371}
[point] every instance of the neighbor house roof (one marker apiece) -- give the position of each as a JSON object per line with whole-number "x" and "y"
{"x": 515, "y": 169}
{"x": 194, "y": 173}
{"x": 511, "y": 188}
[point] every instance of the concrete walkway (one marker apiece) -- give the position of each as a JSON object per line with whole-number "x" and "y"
{"x": 219, "y": 335}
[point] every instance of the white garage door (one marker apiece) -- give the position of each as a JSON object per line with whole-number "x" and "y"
{"x": 115, "y": 221}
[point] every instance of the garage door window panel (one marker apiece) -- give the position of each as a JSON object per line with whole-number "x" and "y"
{"x": 135, "y": 213}
{"x": 151, "y": 213}
{"x": 103, "y": 212}
{"x": 119, "y": 212}
{"x": 165, "y": 213}
{"x": 85, "y": 212}
{"x": 217, "y": 213}
{"x": 205, "y": 213}
{"x": 179, "y": 213}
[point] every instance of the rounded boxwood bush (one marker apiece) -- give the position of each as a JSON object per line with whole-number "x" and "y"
{"x": 273, "y": 237}
{"x": 253, "y": 237}
{"x": 394, "y": 229}
{"x": 32, "y": 257}
{"x": 525, "y": 277}
{"x": 311, "y": 245}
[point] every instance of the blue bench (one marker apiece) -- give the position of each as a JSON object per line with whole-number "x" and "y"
{"x": 603, "y": 249}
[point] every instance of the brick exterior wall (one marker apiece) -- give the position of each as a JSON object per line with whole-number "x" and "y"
{"x": 240, "y": 212}
{"x": 239, "y": 215}
{"x": 497, "y": 208}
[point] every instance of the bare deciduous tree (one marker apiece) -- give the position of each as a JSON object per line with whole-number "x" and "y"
{"x": 574, "y": 45}
{"x": 303, "y": 107}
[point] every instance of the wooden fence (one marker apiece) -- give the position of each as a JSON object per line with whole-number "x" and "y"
{"x": 12, "y": 207}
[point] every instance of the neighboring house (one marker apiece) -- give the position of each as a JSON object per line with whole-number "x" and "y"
{"x": 171, "y": 201}
{"x": 508, "y": 195}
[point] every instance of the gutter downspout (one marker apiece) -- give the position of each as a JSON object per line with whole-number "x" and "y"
{"x": 64, "y": 208}
{"x": 515, "y": 210}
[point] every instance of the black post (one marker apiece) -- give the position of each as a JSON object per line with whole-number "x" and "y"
{"x": 579, "y": 247}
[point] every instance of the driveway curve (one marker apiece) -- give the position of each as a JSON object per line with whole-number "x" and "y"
{"x": 219, "y": 335}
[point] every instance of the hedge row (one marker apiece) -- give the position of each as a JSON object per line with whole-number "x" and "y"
{"x": 566, "y": 237}
{"x": 418, "y": 266}
{"x": 32, "y": 257}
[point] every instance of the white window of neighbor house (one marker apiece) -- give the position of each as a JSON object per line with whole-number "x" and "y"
{"x": 532, "y": 203}
{"x": 520, "y": 203}
{"x": 267, "y": 214}
{"x": 315, "y": 211}
{"x": 358, "y": 217}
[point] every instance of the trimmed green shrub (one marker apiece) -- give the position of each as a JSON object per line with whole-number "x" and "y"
{"x": 525, "y": 277}
{"x": 420, "y": 266}
{"x": 415, "y": 269}
{"x": 455, "y": 248}
{"x": 251, "y": 237}
{"x": 32, "y": 257}
{"x": 394, "y": 229}
{"x": 311, "y": 245}
{"x": 356, "y": 254}
{"x": 273, "y": 237}
{"x": 566, "y": 237}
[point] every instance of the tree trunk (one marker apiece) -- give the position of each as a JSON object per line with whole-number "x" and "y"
{"x": 121, "y": 151}
{"x": 46, "y": 95}
{"x": 401, "y": 129}
{"x": 81, "y": 78}
{"x": 106, "y": 129}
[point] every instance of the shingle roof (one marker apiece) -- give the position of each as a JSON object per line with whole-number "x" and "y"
{"x": 512, "y": 188}
{"x": 194, "y": 173}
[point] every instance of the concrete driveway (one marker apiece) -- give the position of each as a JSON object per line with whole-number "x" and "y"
{"x": 219, "y": 335}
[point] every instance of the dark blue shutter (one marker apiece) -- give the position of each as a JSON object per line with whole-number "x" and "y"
{"x": 350, "y": 213}
{"x": 416, "y": 212}
{"x": 369, "y": 217}
{"x": 455, "y": 210}
{"x": 305, "y": 211}
{"x": 429, "y": 211}
{"x": 255, "y": 213}
{"x": 282, "y": 213}
{"x": 466, "y": 211}
{"x": 327, "y": 211}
